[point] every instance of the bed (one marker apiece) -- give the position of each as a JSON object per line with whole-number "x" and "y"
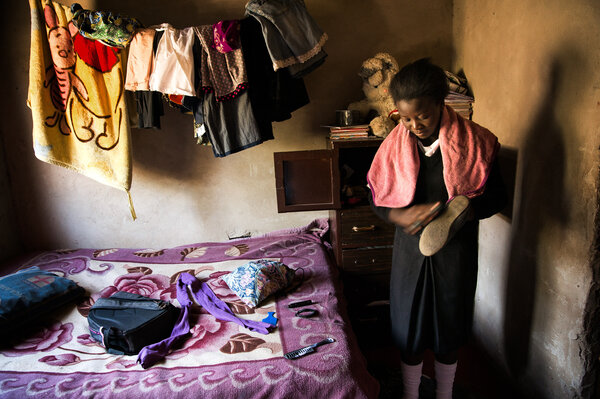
{"x": 218, "y": 359}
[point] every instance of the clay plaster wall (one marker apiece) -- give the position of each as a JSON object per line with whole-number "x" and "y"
{"x": 9, "y": 241}
{"x": 534, "y": 70}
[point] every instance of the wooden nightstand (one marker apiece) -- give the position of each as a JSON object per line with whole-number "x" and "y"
{"x": 335, "y": 179}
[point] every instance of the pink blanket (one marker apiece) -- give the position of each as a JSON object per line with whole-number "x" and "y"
{"x": 468, "y": 151}
{"x": 219, "y": 358}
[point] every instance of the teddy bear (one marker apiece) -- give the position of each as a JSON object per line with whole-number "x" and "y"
{"x": 377, "y": 108}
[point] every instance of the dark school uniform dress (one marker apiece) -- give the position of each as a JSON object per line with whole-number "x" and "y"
{"x": 432, "y": 297}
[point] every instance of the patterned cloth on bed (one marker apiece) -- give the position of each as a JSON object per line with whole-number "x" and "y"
{"x": 218, "y": 359}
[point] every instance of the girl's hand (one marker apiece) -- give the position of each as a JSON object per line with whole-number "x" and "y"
{"x": 414, "y": 218}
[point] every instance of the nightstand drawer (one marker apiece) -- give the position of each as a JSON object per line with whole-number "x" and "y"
{"x": 362, "y": 289}
{"x": 367, "y": 260}
{"x": 360, "y": 227}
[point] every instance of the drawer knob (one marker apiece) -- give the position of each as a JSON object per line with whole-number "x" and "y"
{"x": 363, "y": 228}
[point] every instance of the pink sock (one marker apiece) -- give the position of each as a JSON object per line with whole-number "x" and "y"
{"x": 411, "y": 379}
{"x": 444, "y": 377}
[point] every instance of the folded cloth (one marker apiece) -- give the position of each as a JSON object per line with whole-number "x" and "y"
{"x": 468, "y": 151}
{"x": 79, "y": 112}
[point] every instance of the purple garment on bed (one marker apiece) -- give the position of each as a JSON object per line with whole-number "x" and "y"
{"x": 206, "y": 298}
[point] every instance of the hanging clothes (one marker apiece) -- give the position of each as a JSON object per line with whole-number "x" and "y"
{"x": 231, "y": 125}
{"x": 229, "y": 120}
{"x": 226, "y": 36}
{"x": 140, "y": 60}
{"x": 149, "y": 109}
{"x": 79, "y": 113}
{"x": 274, "y": 95}
{"x": 292, "y": 36}
{"x": 195, "y": 105}
{"x": 173, "y": 69}
{"x": 149, "y": 103}
{"x": 114, "y": 30}
{"x": 223, "y": 73}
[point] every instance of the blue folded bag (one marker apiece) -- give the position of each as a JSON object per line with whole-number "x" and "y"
{"x": 29, "y": 295}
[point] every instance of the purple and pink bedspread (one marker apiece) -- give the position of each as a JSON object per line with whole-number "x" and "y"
{"x": 218, "y": 359}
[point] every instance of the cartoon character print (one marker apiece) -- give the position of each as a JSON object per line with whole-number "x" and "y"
{"x": 92, "y": 117}
{"x": 60, "y": 76}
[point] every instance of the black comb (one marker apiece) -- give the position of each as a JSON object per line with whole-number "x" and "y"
{"x": 307, "y": 349}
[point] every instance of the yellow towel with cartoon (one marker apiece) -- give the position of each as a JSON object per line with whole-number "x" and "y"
{"x": 76, "y": 95}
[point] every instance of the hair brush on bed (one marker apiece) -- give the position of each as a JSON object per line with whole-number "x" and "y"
{"x": 307, "y": 349}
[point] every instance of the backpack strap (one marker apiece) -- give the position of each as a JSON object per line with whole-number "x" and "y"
{"x": 108, "y": 339}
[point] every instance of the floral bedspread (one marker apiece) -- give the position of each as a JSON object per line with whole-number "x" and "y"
{"x": 218, "y": 359}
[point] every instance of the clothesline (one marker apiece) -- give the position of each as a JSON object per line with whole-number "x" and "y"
{"x": 235, "y": 77}
{"x": 194, "y": 61}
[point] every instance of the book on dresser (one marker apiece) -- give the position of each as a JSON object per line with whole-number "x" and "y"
{"x": 348, "y": 132}
{"x": 461, "y": 103}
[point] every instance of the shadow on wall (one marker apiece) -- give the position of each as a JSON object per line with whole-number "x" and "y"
{"x": 507, "y": 159}
{"x": 540, "y": 200}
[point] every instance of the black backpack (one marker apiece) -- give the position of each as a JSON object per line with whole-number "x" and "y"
{"x": 124, "y": 323}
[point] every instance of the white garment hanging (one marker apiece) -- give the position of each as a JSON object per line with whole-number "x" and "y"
{"x": 173, "y": 70}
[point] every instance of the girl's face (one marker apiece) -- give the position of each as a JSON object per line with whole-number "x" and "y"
{"x": 420, "y": 116}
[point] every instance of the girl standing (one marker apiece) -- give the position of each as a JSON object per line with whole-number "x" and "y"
{"x": 433, "y": 159}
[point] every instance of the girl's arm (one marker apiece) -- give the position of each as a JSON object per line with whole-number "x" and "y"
{"x": 494, "y": 197}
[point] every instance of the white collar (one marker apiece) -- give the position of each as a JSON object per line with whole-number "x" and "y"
{"x": 430, "y": 149}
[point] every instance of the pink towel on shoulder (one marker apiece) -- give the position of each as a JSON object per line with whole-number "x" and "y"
{"x": 468, "y": 151}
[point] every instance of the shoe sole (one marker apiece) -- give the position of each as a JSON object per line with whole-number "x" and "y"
{"x": 439, "y": 231}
